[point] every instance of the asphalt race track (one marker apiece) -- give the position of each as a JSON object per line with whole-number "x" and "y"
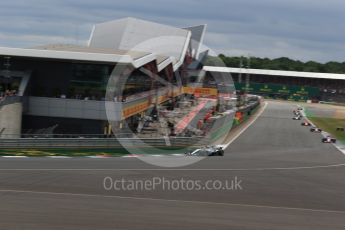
{"x": 289, "y": 180}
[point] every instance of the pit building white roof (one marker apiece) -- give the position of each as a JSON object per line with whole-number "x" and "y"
{"x": 127, "y": 40}
{"x": 267, "y": 72}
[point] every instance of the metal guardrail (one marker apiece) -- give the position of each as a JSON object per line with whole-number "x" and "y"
{"x": 252, "y": 105}
{"x": 49, "y": 143}
{"x": 28, "y": 134}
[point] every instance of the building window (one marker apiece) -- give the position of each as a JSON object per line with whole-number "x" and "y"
{"x": 89, "y": 81}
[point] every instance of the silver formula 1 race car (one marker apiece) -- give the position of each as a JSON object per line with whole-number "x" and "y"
{"x": 329, "y": 139}
{"x": 296, "y": 112}
{"x": 305, "y": 123}
{"x": 315, "y": 130}
{"x": 207, "y": 151}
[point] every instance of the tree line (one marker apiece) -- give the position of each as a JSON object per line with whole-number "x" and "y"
{"x": 282, "y": 63}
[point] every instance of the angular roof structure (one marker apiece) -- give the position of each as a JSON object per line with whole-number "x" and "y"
{"x": 140, "y": 35}
{"x": 197, "y": 39}
{"x": 127, "y": 40}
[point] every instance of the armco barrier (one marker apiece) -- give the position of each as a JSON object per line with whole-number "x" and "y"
{"x": 79, "y": 143}
{"x": 247, "y": 111}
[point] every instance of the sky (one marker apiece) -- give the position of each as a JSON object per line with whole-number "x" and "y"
{"x": 299, "y": 29}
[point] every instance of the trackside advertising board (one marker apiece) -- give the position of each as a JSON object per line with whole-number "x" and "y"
{"x": 293, "y": 92}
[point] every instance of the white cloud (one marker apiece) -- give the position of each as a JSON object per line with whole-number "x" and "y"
{"x": 267, "y": 46}
{"x": 308, "y": 29}
{"x": 29, "y": 41}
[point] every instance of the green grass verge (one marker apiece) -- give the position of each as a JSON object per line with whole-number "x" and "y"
{"x": 330, "y": 125}
{"x": 61, "y": 152}
{"x": 113, "y": 152}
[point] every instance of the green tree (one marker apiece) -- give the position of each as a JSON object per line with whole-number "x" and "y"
{"x": 283, "y": 63}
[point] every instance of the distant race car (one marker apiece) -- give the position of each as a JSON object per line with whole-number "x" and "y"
{"x": 297, "y": 118}
{"x": 207, "y": 151}
{"x": 329, "y": 139}
{"x": 305, "y": 123}
{"x": 299, "y": 108}
{"x": 315, "y": 130}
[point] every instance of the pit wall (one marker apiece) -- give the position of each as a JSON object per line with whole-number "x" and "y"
{"x": 232, "y": 120}
{"x": 201, "y": 92}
